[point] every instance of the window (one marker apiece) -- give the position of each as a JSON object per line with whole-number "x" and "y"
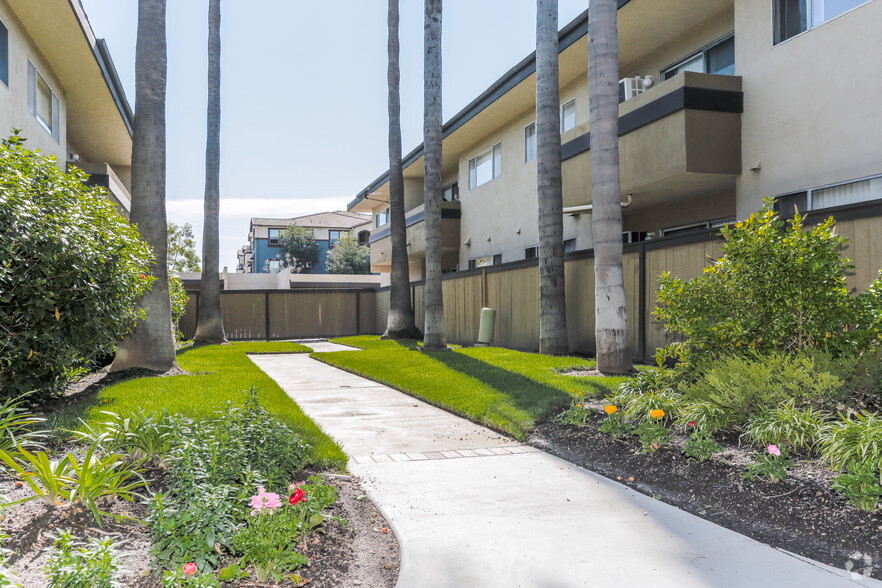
{"x": 473, "y": 263}
{"x": 831, "y": 195}
{"x": 273, "y": 266}
{"x": 716, "y": 58}
{"x": 497, "y": 259}
{"x": 382, "y": 217}
{"x": 274, "y": 236}
{"x": 450, "y": 193}
{"x": 364, "y": 237}
{"x": 42, "y": 101}
{"x": 569, "y": 245}
{"x": 531, "y": 252}
{"x": 485, "y": 166}
{"x": 792, "y": 17}
{"x": 4, "y": 54}
{"x": 530, "y": 142}
{"x": 568, "y": 116}
{"x": 334, "y": 236}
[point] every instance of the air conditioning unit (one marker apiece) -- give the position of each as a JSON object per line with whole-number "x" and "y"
{"x": 630, "y": 87}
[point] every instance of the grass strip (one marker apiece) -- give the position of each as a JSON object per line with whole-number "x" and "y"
{"x": 217, "y": 374}
{"x": 502, "y": 389}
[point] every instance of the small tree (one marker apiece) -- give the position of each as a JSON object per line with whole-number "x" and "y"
{"x": 348, "y": 257}
{"x": 779, "y": 287}
{"x": 299, "y": 244}
{"x": 182, "y": 248}
{"x": 71, "y": 271}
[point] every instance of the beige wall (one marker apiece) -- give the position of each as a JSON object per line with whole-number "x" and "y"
{"x": 14, "y": 99}
{"x": 812, "y": 112}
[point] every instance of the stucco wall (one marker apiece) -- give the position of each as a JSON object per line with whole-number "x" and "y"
{"x": 14, "y": 98}
{"x": 812, "y": 111}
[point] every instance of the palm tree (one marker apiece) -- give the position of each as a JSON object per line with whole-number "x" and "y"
{"x": 552, "y": 290}
{"x": 400, "y": 323}
{"x": 210, "y": 324}
{"x": 434, "y": 302}
{"x": 151, "y": 344}
{"x": 611, "y": 315}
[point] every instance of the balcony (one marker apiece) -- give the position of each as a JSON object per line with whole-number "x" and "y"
{"x": 381, "y": 241}
{"x": 680, "y": 138}
{"x": 102, "y": 175}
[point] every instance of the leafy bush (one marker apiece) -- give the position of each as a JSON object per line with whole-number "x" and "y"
{"x": 786, "y": 425}
{"x": 99, "y": 476}
{"x": 778, "y": 288}
{"x": 71, "y": 270}
{"x": 705, "y": 416}
{"x": 178, "y": 299}
{"x": 348, "y": 257}
{"x": 860, "y": 485}
{"x": 743, "y": 386}
{"x": 700, "y": 446}
{"x": 653, "y": 435}
{"x": 577, "y": 414}
{"x": 79, "y": 564}
{"x": 854, "y": 440}
{"x": 143, "y": 436}
{"x": 301, "y": 250}
{"x": 770, "y": 465}
{"x": 615, "y": 424}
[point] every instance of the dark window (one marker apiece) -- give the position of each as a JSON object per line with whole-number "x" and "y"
{"x": 4, "y": 54}
{"x": 531, "y": 252}
{"x": 364, "y": 237}
{"x": 791, "y": 18}
{"x": 716, "y": 58}
{"x": 784, "y": 205}
{"x": 274, "y": 236}
{"x": 497, "y": 259}
{"x": 473, "y": 263}
{"x": 450, "y": 193}
{"x": 569, "y": 245}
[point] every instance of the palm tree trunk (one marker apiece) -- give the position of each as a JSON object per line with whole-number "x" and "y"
{"x": 400, "y": 323}
{"x": 151, "y": 344}
{"x": 552, "y": 287}
{"x": 434, "y": 302}
{"x": 611, "y": 314}
{"x": 210, "y": 324}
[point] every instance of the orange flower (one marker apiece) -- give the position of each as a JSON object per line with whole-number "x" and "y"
{"x": 657, "y": 413}
{"x": 578, "y": 406}
{"x": 610, "y": 408}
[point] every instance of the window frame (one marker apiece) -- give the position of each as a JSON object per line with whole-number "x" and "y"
{"x": 809, "y": 193}
{"x": 572, "y": 243}
{"x": 382, "y": 215}
{"x": 274, "y": 241}
{"x": 663, "y": 74}
{"x": 4, "y": 54}
{"x": 531, "y": 252}
{"x": 809, "y": 20}
{"x": 53, "y": 127}
{"x": 571, "y": 101}
{"x": 331, "y": 240}
{"x": 495, "y": 152}
{"x": 527, "y": 158}
{"x": 454, "y": 192}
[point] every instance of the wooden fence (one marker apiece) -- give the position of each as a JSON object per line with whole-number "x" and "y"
{"x": 513, "y": 290}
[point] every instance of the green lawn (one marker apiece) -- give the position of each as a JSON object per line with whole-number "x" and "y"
{"x": 502, "y": 389}
{"x": 217, "y": 374}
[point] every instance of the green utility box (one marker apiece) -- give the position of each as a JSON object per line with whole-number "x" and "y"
{"x": 488, "y": 326}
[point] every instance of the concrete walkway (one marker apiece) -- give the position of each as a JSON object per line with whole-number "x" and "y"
{"x": 472, "y": 508}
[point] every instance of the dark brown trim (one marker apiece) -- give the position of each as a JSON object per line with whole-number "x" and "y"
{"x": 846, "y": 212}
{"x": 266, "y": 310}
{"x": 641, "y": 312}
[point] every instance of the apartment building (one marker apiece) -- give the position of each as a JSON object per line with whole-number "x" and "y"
{"x": 58, "y": 85}
{"x": 263, "y": 252}
{"x": 723, "y": 103}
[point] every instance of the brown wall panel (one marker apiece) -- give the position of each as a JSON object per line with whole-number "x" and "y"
{"x": 244, "y": 315}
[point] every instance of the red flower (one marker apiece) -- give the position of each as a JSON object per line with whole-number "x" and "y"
{"x": 143, "y": 277}
{"x": 692, "y": 424}
{"x": 297, "y": 497}
{"x": 190, "y": 568}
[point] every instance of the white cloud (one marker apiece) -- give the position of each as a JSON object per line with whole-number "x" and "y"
{"x": 236, "y": 213}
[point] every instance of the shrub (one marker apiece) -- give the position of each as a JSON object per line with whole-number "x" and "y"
{"x": 860, "y": 485}
{"x": 705, "y": 416}
{"x": 778, "y": 287}
{"x": 742, "y": 386}
{"x": 301, "y": 250}
{"x": 615, "y": 424}
{"x": 653, "y": 435}
{"x": 786, "y": 425}
{"x": 79, "y": 564}
{"x": 700, "y": 446}
{"x": 71, "y": 270}
{"x": 854, "y": 440}
{"x": 770, "y": 465}
{"x": 178, "y": 299}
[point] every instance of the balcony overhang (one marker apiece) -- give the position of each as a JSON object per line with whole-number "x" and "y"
{"x": 99, "y": 119}
{"x": 680, "y": 138}
{"x": 102, "y": 175}
{"x": 381, "y": 240}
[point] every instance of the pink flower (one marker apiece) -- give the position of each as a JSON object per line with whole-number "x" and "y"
{"x": 773, "y": 450}
{"x": 264, "y": 500}
{"x": 692, "y": 424}
{"x": 190, "y": 569}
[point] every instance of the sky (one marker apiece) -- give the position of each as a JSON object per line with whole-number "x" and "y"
{"x": 304, "y": 123}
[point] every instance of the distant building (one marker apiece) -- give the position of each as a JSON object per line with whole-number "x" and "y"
{"x": 58, "y": 86}
{"x": 263, "y": 253}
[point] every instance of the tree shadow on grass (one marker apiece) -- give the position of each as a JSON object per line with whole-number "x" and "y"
{"x": 534, "y": 397}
